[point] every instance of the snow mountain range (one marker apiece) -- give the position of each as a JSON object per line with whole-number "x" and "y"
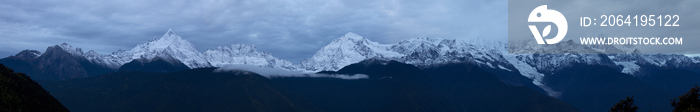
{"x": 566, "y": 71}
{"x": 421, "y": 52}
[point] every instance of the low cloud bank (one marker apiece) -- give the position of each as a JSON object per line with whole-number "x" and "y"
{"x": 275, "y": 73}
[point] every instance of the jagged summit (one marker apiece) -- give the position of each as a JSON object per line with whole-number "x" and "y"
{"x": 151, "y": 40}
{"x": 65, "y": 44}
{"x": 235, "y": 49}
{"x": 245, "y": 54}
{"x": 170, "y": 44}
{"x": 423, "y": 39}
{"x": 170, "y": 33}
{"x": 353, "y": 39}
{"x": 353, "y": 36}
{"x": 28, "y": 54}
{"x": 170, "y": 36}
{"x": 244, "y": 47}
{"x": 348, "y": 49}
{"x": 68, "y": 48}
{"x": 421, "y": 51}
{"x": 173, "y": 47}
{"x": 91, "y": 53}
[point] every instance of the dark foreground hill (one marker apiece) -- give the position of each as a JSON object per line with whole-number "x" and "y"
{"x": 185, "y": 91}
{"x": 395, "y": 86}
{"x": 19, "y": 93}
{"x": 392, "y": 86}
{"x": 594, "y": 88}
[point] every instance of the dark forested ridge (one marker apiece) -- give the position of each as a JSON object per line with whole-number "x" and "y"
{"x": 595, "y": 88}
{"x": 395, "y": 86}
{"x": 184, "y": 91}
{"x": 19, "y": 93}
{"x": 392, "y": 86}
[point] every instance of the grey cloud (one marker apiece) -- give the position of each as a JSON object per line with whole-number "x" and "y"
{"x": 6, "y": 54}
{"x": 292, "y": 30}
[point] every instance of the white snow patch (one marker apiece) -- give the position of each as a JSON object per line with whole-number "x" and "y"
{"x": 275, "y": 73}
{"x": 477, "y": 61}
{"x": 524, "y": 68}
{"x": 530, "y": 72}
{"x": 549, "y": 90}
{"x": 693, "y": 57}
{"x": 489, "y": 64}
{"x": 504, "y": 68}
{"x": 629, "y": 67}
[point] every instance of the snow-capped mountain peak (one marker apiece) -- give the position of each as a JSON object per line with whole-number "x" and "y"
{"x": 28, "y": 54}
{"x": 352, "y": 36}
{"x": 417, "y": 45}
{"x": 92, "y": 53}
{"x": 432, "y": 41}
{"x": 422, "y": 51}
{"x": 152, "y": 39}
{"x": 348, "y": 49}
{"x": 244, "y": 48}
{"x": 169, "y": 44}
{"x": 236, "y": 49}
{"x": 68, "y": 48}
{"x": 241, "y": 54}
{"x": 170, "y": 33}
{"x": 176, "y": 49}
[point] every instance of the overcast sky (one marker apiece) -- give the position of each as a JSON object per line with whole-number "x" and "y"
{"x": 289, "y": 29}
